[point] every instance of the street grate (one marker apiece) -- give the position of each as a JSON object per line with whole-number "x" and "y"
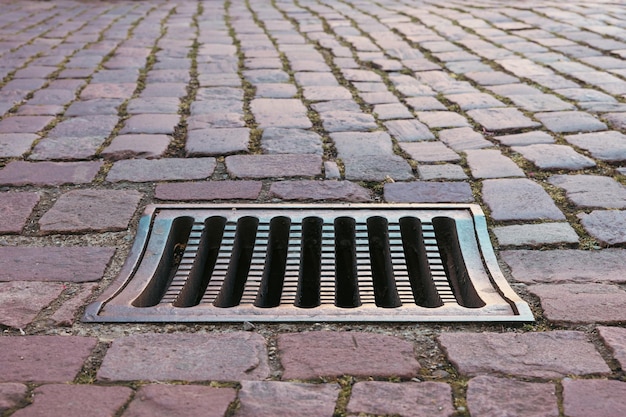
{"x": 394, "y": 262}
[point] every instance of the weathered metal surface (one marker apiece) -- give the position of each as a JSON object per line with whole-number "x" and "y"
{"x": 394, "y": 262}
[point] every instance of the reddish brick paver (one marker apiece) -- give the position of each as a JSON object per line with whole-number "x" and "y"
{"x": 11, "y": 394}
{"x": 191, "y": 357}
{"x": 581, "y": 303}
{"x": 182, "y": 400}
{"x": 490, "y": 396}
{"x": 405, "y": 399}
{"x": 317, "y": 354}
{"x": 43, "y": 358}
{"x": 91, "y": 210}
{"x": 554, "y": 354}
{"x": 49, "y": 173}
{"x": 594, "y": 398}
{"x": 76, "y": 400}
{"x": 271, "y": 398}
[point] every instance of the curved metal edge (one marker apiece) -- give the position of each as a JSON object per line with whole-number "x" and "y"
{"x": 127, "y": 272}
{"x": 521, "y": 308}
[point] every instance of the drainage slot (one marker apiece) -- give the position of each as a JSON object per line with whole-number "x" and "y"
{"x": 204, "y": 263}
{"x": 454, "y": 264}
{"x": 421, "y": 279}
{"x": 308, "y": 292}
{"x": 385, "y": 291}
{"x": 239, "y": 266}
{"x": 271, "y": 287}
{"x": 346, "y": 273}
{"x": 168, "y": 264}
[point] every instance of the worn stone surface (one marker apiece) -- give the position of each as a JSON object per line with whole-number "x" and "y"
{"x": 151, "y": 124}
{"x": 441, "y": 171}
{"x": 607, "y": 226}
{"x": 209, "y": 190}
{"x": 76, "y": 401}
{"x": 463, "y": 138}
{"x": 405, "y": 399}
{"x": 501, "y": 119}
{"x": 535, "y": 234}
{"x": 428, "y": 192}
{"x": 519, "y": 199}
{"x": 67, "y": 148}
{"x": 11, "y": 394}
{"x": 180, "y": 400}
{"x": 91, "y": 210}
{"x": 291, "y": 141}
{"x": 271, "y": 398}
{"x": 489, "y": 396}
{"x": 434, "y": 119}
{"x": 549, "y": 156}
{"x": 202, "y": 142}
{"x": 316, "y": 354}
{"x": 430, "y": 152}
{"x": 319, "y": 190}
{"x": 408, "y": 130}
{"x": 268, "y": 166}
{"x": 43, "y": 358}
{"x": 606, "y": 146}
{"x": 75, "y": 264}
{"x": 570, "y": 121}
{"x": 490, "y": 163}
{"x": 524, "y": 139}
{"x": 566, "y": 265}
{"x": 581, "y": 303}
{"x": 24, "y": 124}
{"x": 21, "y": 301}
{"x": 49, "y": 173}
{"x": 136, "y": 146}
{"x": 148, "y": 170}
{"x": 289, "y": 113}
{"x": 347, "y": 121}
{"x": 15, "y": 209}
{"x": 14, "y": 145}
{"x": 554, "y": 354}
{"x": 615, "y": 339}
{"x": 65, "y": 315}
{"x": 591, "y": 190}
{"x": 594, "y": 398}
{"x": 190, "y": 357}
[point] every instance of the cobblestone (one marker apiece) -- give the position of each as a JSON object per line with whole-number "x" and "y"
{"x": 519, "y": 199}
{"x": 317, "y": 354}
{"x": 405, "y": 399}
{"x": 592, "y": 190}
{"x": 74, "y": 400}
{"x": 491, "y": 396}
{"x": 615, "y": 339}
{"x": 566, "y": 265}
{"x": 593, "y": 398}
{"x": 581, "y": 303}
{"x": 49, "y": 173}
{"x": 548, "y": 156}
{"x": 191, "y": 357}
{"x": 148, "y": 170}
{"x": 43, "y": 358}
{"x": 535, "y": 234}
{"x": 270, "y": 398}
{"x": 555, "y": 354}
{"x": 607, "y": 226}
{"x": 182, "y": 400}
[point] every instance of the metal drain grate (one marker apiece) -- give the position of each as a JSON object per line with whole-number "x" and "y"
{"x": 218, "y": 263}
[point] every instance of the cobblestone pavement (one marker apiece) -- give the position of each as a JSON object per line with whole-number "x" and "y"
{"x": 106, "y": 106}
